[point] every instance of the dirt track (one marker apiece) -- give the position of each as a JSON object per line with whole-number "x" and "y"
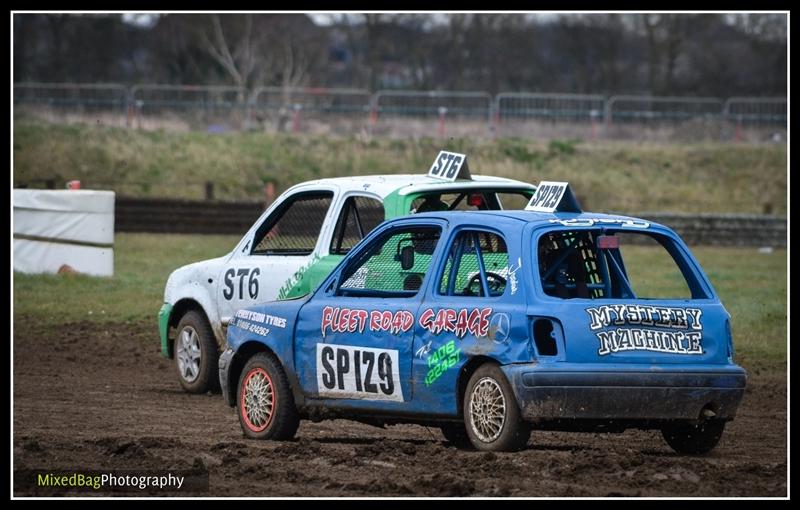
{"x": 90, "y": 396}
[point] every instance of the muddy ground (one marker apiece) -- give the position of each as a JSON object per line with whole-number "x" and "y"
{"x": 89, "y": 397}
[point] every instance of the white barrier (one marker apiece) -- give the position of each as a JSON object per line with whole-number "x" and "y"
{"x": 65, "y": 227}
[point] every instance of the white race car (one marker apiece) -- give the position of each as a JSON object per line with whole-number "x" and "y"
{"x": 295, "y": 244}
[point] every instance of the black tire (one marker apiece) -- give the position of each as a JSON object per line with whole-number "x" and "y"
{"x": 512, "y": 433}
{"x": 693, "y": 439}
{"x": 196, "y": 375}
{"x": 280, "y": 423}
{"x": 455, "y": 433}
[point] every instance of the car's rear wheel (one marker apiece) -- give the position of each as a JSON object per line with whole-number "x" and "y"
{"x": 491, "y": 414}
{"x": 264, "y": 403}
{"x": 196, "y": 354}
{"x": 693, "y": 438}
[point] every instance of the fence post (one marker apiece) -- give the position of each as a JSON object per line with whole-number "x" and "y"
{"x": 296, "y": 117}
{"x": 129, "y": 107}
{"x": 608, "y": 114}
{"x": 738, "y": 133}
{"x": 442, "y": 113}
{"x": 249, "y": 113}
{"x": 373, "y": 117}
{"x": 209, "y": 190}
{"x": 494, "y": 123}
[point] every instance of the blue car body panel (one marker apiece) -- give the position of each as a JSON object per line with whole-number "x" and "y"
{"x": 405, "y": 356}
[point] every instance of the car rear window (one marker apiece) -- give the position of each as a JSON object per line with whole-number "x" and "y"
{"x": 591, "y": 264}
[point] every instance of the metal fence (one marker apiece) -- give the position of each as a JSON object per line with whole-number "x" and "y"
{"x": 750, "y": 115}
{"x": 405, "y": 113}
{"x": 567, "y": 115}
{"x": 66, "y": 102}
{"x": 425, "y": 112}
{"x": 682, "y": 118}
{"x": 310, "y": 110}
{"x": 214, "y": 108}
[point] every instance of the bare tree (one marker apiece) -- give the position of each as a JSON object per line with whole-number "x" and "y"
{"x": 236, "y": 58}
{"x": 666, "y": 35}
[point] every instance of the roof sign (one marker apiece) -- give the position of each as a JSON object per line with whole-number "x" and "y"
{"x": 553, "y": 197}
{"x": 450, "y": 166}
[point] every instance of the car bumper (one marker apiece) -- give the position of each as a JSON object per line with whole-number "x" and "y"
{"x": 163, "y": 328}
{"x": 565, "y": 391}
{"x": 224, "y": 369}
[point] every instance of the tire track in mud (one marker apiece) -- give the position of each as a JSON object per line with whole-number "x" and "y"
{"x": 99, "y": 396}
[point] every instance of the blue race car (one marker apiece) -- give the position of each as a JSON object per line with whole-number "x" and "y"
{"x": 490, "y": 324}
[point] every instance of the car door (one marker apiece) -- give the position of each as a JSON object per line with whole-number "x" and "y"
{"x": 354, "y": 337}
{"x": 276, "y": 252}
{"x": 475, "y": 309}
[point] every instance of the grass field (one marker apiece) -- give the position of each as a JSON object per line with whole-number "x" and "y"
{"x": 752, "y": 286}
{"x": 607, "y": 176}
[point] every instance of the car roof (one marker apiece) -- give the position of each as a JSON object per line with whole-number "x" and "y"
{"x": 404, "y": 184}
{"x": 499, "y": 218}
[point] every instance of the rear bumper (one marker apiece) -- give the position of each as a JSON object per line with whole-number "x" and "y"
{"x": 568, "y": 391}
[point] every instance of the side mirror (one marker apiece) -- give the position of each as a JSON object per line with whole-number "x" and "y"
{"x": 407, "y": 257}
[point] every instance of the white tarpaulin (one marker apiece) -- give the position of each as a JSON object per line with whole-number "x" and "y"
{"x": 53, "y": 228}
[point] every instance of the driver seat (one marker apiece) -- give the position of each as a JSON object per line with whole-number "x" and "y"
{"x": 572, "y": 268}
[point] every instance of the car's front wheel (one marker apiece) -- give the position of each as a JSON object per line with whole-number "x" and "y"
{"x": 693, "y": 438}
{"x": 491, "y": 413}
{"x": 264, "y": 403}
{"x": 196, "y": 354}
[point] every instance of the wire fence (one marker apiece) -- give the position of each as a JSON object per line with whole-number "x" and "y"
{"x": 188, "y": 107}
{"x": 407, "y": 113}
{"x": 310, "y": 110}
{"x": 430, "y": 112}
{"x": 548, "y": 115}
{"x": 103, "y": 103}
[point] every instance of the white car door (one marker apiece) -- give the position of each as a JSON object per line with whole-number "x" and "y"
{"x": 287, "y": 240}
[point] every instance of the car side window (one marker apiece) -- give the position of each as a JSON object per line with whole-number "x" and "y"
{"x": 475, "y": 257}
{"x": 294, "y": 227}
{"x": 392, "y": 266}
{"x": 358, "y": 217}
{"x": 469, "y": 200}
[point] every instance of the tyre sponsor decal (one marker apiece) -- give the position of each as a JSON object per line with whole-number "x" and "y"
{"x": 256, "y": 322}
{"x": 346, "y": 371}
{"x": 668, "y": 329}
